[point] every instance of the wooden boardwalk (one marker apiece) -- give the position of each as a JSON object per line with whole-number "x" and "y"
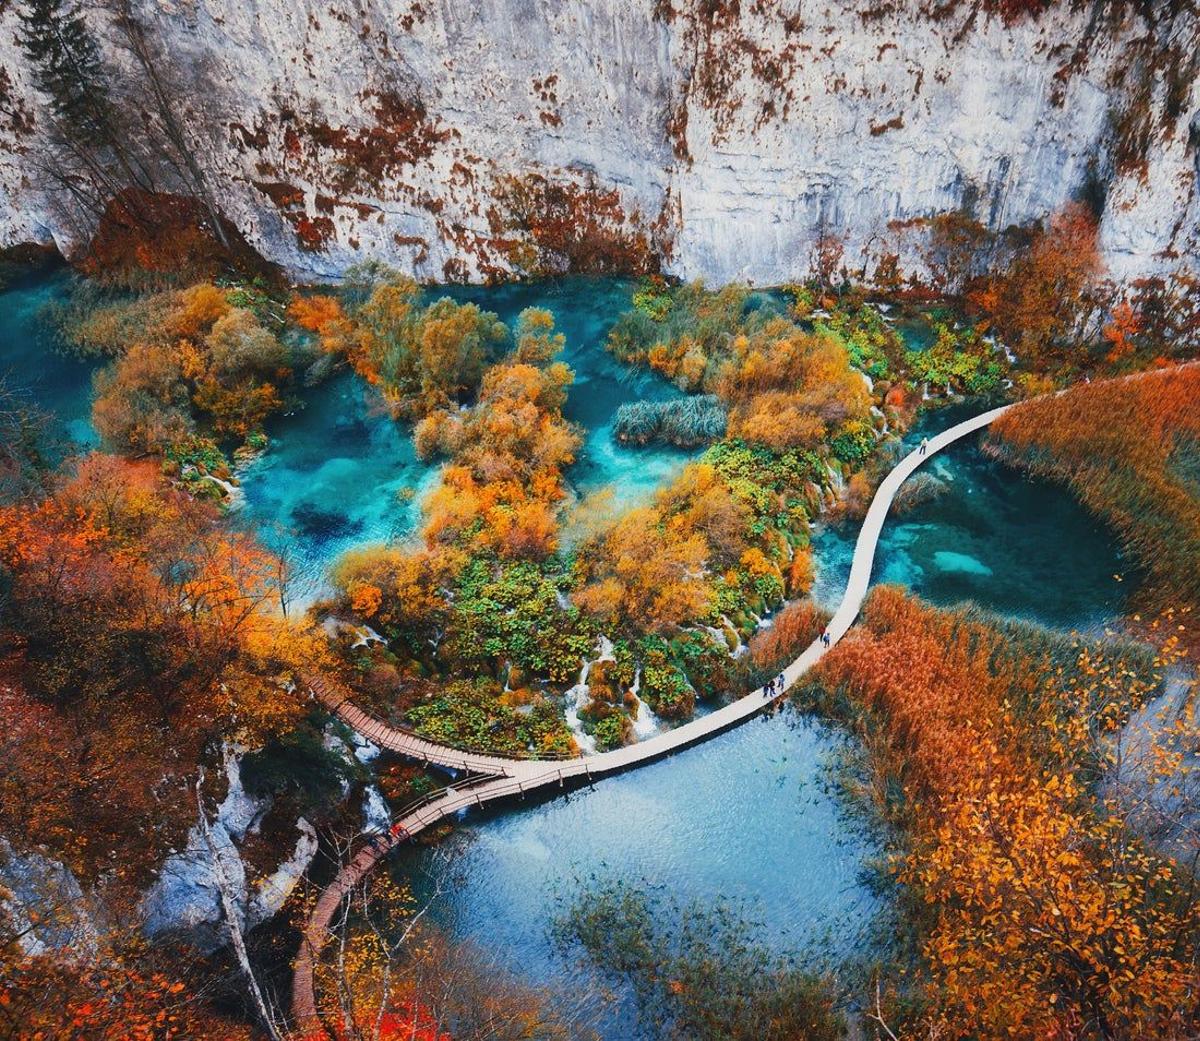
{"x": 506, "y": 778}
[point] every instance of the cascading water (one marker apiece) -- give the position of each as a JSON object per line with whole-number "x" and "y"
{"x": 645, "y": 723}
{"x": 576, "y": 698}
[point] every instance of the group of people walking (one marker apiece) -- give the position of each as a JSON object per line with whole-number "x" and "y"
{"x": 773, "y": 688}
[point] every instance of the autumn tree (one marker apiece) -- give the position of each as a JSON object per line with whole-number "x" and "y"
{"x": 1047, "y": 915}
{"x": 648, "y": 573}
{"x": 198, "y": 364}
{"x": 133, "y": 614}
{"x": 397, "y": 978}
{"x": 507, "y": 453}
{"x": 420, "y": 357}
{"x": 121, "y": 992}
{"x": 1042, "y": 298}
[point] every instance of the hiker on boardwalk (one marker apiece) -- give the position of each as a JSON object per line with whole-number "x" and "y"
{"x": 825, "y": 639}
{"x": 924, "y": 445}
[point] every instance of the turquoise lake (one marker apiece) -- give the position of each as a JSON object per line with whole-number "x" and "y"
{"x": 58, "y": 385}
{"x": 1016, "y": 546}
{"x": 748, "y": 817}
{"x": 341, "y": 473}
{"x": 748, "y": 820}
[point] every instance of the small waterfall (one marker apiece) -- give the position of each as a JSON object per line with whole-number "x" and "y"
{"x": 576, "y": 700}
{"x": 836, "y": 481}
{"x": 741, "y": 647}
{"x": 376, "y": 815}
{"x": 364, "y": 636}
{"x": 235, "y": 498}
{"x": 645, "y": 723}
{"x": 996, "y": 345}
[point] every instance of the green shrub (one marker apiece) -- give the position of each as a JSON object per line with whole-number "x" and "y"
{"x": 610, "y": 732}
{"x": 298, "y": 766}
{"x": 470, "y": 714}
{"x": 654, "y": 301}
{"x": 853, "y": 444}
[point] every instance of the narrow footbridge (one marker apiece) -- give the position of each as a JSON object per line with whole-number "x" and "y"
{"x": 491, "y": 778}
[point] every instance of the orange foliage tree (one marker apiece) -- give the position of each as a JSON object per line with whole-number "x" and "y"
{"x": 420, "y": 357}
{"x": 507, "y": 453}
{"x": 116, "y": 994}
{"x": 1049, "y": 918}
{"x": 183, "y": 358}
{"x": 1042, "y": 298}
{"x": 132, "y": 614}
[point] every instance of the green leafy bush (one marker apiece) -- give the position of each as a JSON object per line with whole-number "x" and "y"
{"x": 853, "y": 443}
{"x": 470, "y": 714}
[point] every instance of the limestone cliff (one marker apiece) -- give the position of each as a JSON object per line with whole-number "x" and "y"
{"x": 465, "y": 139}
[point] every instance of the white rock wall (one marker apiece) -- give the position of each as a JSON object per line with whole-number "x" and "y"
{"x": 801, "y": 118}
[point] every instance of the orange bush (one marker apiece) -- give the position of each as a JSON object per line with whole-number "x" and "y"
{"x": 1049, "y": 919}
{"x": 1036, "y": 304}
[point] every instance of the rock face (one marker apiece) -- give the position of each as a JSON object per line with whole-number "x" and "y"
{"x": 43, "y": 903}
{"x": 467, "y": 139}
{"x": 186, "y": 899}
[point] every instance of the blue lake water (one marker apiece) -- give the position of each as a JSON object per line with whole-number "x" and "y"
{"x": 1018, "y": 547}
{"x": 340, "y": 472}
{"x": 748, "y": 819}
{"x": 58, "y": 385}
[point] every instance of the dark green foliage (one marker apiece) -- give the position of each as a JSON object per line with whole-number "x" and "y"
{"x": 665, "y": 687}
{"x": 610, "y": 731}
{"x": 772, "y": 483}
{"x": 960, "y": 361}
{"x": 698, "y": 973}
{"x": 67, "y": 65}
{"x": 299, "y": 767}
{"x": 686, "y": 422}
{"x": 853, "y": 444}
{"x": 22, "y": 436}
{"x": 469, "y": 714}
{"x": 708, "y": 664}
{"x": 708, "y": 318}
{"x": 510, "y": 611}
